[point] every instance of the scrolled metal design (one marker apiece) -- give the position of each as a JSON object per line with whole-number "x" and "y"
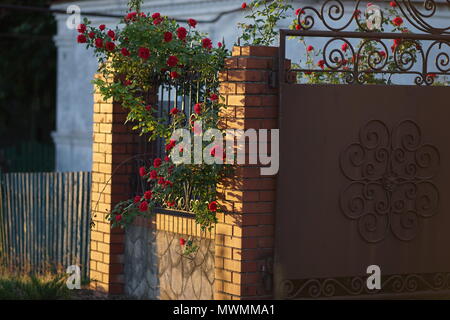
{"x": 355, "y": 286}
{"x": 391, "y": 181}
{"x": 422, "y": 57}
{"x": 333, "y": 11}
{"x": 417, "y": 18}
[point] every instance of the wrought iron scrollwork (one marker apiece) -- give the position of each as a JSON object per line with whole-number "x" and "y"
{"x": 424, "y": 56}
{"x": 333, "y": 11}
{"x": 391, "y": 181}
{"x": 355, "y": 286}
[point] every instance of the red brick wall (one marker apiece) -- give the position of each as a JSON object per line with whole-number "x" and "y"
{"x": 244, "y": 236}
{"x": 114, "y": 143}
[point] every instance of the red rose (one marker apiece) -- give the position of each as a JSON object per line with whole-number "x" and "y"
{"x": 148, "y": 108}
{"x": 310, "y": 48}
{"x": 110, "y": 46}
{"x": 118, "y": 217}
{"x": 172, "y": 61}
{"x": 174, "y": 111}
{"x": 156, "y": 15}
{"x": 81, "y": 28}
{"x": 298, "y": 11}
{"x": 219, "y": 44}
{"x": 168, "y": 183}
{"x": 397, "y": 42}
{"x": 383, "y": 54}
{"x": 143, "y": 206}
{"x": 137, "y": 199}
{"x": 174, "y": 75}
{"x": 393, "y": 4}
{"x": 153, "y": 174}
{"x": 207, "y": 43}
{"x": 214, "y": 97}
{"x": 161, "y": 180}
{"x": 192, "y": 22}
{"x": 244, "y": 5}
{"x": 321, "y": 64}
{"x": 157, "y": 162}
{"x": 171, "y": 203}
{"x": 102, "y": 27}
{"x": 144, "y": 53}
{"x": 197, "y": 108}
{"x": 357, "y": 13}
{"x": 157, "y": 21}
{"x": 125, "y": 52}
{"x": 212, "y": 152}
{"x": 170, "y": 145}
{"x": 81, "y": 38}
{"x": 142, "y": 171}
{"x": 148, "y": 195}
{"x": 212, "y": 206}
{"x": 127, "y": 82}
{"x": 168, "y": 36}
{"x": 111, "y": 34}
{"x": 181, "y": 33}
{"x": 92, "y": 34}
{"x": 344, "y": 47}
{"x": 398, "y": 21}
{"x": 182, "y": 242}
{"x": 99, "y": 43}
{"x": 131, "y": 16}
{"x": 166, "y": 159}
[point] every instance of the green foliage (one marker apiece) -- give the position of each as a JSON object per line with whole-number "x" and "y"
{"x": 28, "y": 74}
{"x": 264, "y": 14}
{"x": 149, "y": 51}
{"x": 34, "y": 287}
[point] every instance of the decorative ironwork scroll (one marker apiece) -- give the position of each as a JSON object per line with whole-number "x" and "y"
{"x": 391, "y": 181}
{"x": 377, "y": 56}
{"x": 356, "y": 286}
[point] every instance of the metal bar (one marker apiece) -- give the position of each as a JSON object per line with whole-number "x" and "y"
{"x": 360, "y": 35}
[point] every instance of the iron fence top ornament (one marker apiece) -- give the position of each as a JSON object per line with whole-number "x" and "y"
{"x": 334, "y": 11}
{"x": 424, "y": 54}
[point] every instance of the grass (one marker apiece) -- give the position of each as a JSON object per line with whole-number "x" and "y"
{"x": 33, "y": 287}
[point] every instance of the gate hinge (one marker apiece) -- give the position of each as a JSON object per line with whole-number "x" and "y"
{"x": 273, "y": 79}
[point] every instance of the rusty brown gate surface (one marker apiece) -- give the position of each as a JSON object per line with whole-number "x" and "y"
{"x": 364, "y": 180}
{"x": 364, "y": 173}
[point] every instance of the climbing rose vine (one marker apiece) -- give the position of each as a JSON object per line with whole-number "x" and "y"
{"x": 148, "y": 51}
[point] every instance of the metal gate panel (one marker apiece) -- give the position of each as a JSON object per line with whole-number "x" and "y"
{"x": 364, "y": 179}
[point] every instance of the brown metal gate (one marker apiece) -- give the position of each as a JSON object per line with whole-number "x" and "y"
{"x": 364, "y": 180}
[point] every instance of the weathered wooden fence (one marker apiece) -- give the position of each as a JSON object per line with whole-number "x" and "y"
{"x": 45, "y": 220}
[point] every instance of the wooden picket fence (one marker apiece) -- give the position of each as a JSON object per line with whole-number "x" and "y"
{"x": 45, "y": 220}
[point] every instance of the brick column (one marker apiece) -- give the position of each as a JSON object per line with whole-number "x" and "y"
{"x": 114, "y": 143}
{"x": 245, "y": 235}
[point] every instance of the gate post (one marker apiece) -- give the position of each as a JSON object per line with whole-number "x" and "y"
{"x": 245, "y": 234}
{"x": 114, "y": 144}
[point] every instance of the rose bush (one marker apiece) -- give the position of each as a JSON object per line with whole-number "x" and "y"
{"x": 148, "y": 51}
